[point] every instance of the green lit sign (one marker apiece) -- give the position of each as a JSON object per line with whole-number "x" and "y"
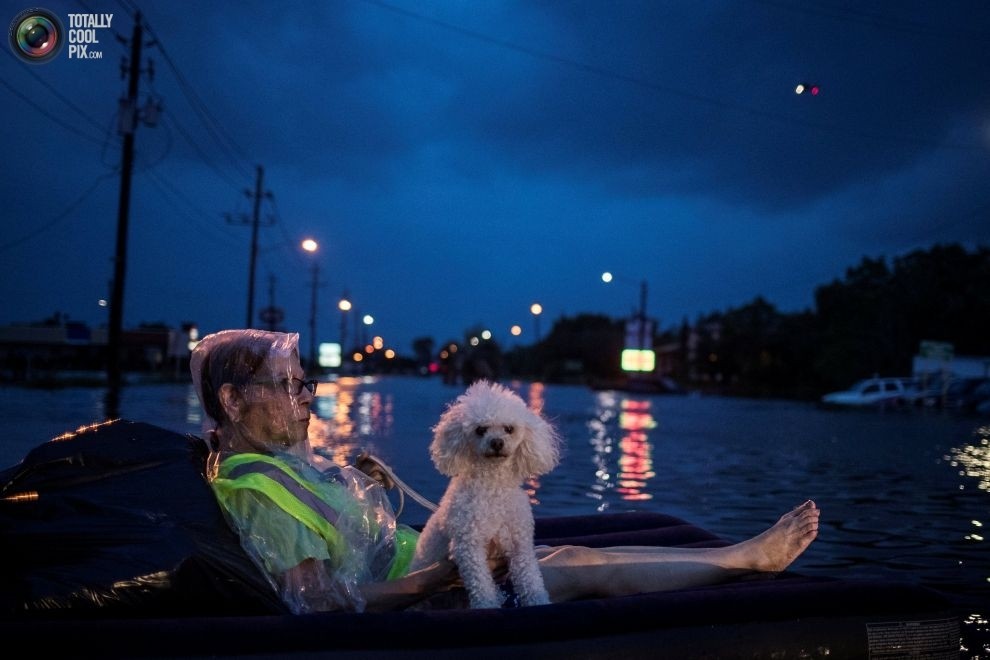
{"x": 634, "y": 359}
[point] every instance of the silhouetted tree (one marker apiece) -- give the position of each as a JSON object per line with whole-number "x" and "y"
{"x": 589, "y": 345}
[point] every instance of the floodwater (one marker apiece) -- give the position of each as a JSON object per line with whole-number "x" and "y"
{"x": 904, "y": 495}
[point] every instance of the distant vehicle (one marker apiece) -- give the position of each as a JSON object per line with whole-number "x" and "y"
{"x": 883, "y": 392}
{"x": 966, "y": 394}
{"x": 928, "y": 391}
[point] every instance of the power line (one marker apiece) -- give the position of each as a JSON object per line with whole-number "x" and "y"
{"x": 168, "y": 118}
{"x": 288, "y": 240}
{"x": 121, "y": 39}
{"x": 657, "y": 87}
{"x": 170, "y": 193}
{"x": 212, "y": 126}
{"x": 64, "y": 214}
{"x": 849, "y": 14}
{"x": 57, "y": 120}
{"x": 55, "y": 92}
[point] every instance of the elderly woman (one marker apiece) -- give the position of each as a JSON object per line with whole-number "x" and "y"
{"x": 329, "y": 540}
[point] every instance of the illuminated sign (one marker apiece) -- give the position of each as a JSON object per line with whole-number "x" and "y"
{"x": 638, "y": 360}
{"x": 329, "y": 355}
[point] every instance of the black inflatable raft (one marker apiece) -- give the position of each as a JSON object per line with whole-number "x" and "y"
{"x": 114, "y": 546}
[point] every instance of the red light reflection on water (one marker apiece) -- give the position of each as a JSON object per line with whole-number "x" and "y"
{"x": 635, "y": 460}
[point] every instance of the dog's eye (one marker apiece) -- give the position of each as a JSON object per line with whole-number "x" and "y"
{"x": 510, "y": 429}
{"x": 480, "y": 431}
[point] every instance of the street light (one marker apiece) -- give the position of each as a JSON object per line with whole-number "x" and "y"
{"x": 367, "y": 320}
{"x": 536, "y": 309}
{"x": 344, "y": 306}
{"x": 607, "y": 277}
{"x": 311, "y": 246}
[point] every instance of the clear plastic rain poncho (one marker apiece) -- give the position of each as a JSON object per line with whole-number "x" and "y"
{"x": 286, "y": 511}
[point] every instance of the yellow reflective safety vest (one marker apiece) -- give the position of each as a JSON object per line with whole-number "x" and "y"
{"x": 318, "y": 507}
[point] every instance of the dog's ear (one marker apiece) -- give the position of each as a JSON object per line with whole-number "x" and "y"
{"x": 539, "y": 451}
{"x": 447, "y": 449}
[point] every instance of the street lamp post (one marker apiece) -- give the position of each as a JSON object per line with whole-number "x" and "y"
{"x": 642, "y": 315}
{"x": 344, "y": 306}
{"x": 536, "y": 309}
{"x": 644, "y": 360}
{"x": 607, "y": 277}
{"x": 367, "y": 319}
{"x": 311, "y": 246}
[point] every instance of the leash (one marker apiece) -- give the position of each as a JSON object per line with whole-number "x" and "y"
{"x": 403, "y": 487}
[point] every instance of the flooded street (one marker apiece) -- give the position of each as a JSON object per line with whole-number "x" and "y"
{"x": 904, "y": 495}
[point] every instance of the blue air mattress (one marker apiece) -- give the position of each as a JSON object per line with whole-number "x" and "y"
{"x": 113, "y": 546}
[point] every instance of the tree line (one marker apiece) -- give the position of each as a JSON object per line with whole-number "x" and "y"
{"x": 872, "y": 321}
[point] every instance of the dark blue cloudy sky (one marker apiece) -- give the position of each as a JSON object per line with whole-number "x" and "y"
{"x": 458, "y": 161}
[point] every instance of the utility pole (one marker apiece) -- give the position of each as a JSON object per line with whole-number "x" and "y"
{"x": 254, "y": 246}
{"x": 128, "y": 126}
{"x": 313, "y": 361}
{"x": 642, "y": 318}
{"x": 255, "y": 221}
{"x": 271, "y": 302}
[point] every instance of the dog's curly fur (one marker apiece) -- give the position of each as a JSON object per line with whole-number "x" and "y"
{"x": 488, "y": 441}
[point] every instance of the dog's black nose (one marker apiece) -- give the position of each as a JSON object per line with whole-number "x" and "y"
{"x": 496, "y": 444}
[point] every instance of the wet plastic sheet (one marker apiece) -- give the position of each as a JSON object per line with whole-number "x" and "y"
{"x": 118, "y": 518}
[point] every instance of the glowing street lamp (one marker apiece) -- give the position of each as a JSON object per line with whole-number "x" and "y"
{"x": 311, "y": 246}
{"x": 642, "y": 362}
{"x": 367, "y": 320}
{"x": 536, "y": 309}
{"x": 344, "y": 306}
{"x": 607, "y": 277}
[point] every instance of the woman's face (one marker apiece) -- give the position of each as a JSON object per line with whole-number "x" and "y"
{"x": 276, "y": 415}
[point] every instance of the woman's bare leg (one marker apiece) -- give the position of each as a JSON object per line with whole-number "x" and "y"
{"x": 571, "y": 572}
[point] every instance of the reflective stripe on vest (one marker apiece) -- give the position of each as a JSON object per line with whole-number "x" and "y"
{"x": 282, "y": 485}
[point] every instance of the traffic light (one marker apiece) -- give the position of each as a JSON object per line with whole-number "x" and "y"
{"x": 805, "y": 88}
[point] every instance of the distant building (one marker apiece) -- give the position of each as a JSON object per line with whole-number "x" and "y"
{"x": 55, "y": 347}
{"x": 959, "y": 366}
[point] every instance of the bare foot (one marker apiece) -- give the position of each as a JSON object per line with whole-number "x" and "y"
{"x": 776, "y": 548}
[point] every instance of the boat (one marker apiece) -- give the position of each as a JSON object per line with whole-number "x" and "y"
{"x": 114, "y": 546}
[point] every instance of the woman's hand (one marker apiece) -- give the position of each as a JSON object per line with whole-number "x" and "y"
{"x": 371, "y": 467}
{"x": 439, "y": 576}
{"x": 417, "y": 586}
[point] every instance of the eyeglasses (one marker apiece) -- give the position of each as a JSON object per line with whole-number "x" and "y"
{"x": 293, "y": 386}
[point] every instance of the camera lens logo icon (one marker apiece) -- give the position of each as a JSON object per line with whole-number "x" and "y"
{"x": 36, "y": 35}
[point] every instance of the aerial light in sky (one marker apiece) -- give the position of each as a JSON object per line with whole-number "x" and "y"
{"x": 804, "y": 88}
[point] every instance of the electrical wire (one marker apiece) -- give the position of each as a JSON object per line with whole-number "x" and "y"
{"x": 57, "y": 120}
{"x": 855, "y": 14}
{"x": 63, "y": 215}
{"x": 26, "y": 67}
{"x": 171, "y": 193}
{"x": 223, "y": 139}
{"x": 657, "y": 87}
{"x": 167, "y": 117}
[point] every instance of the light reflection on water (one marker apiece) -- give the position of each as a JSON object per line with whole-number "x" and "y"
{"x": 974, "y": 458}
{"x": 904, "y": 495}
{"x": 624, "y": 466}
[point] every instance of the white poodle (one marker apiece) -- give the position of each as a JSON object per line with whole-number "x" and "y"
{"x": 488, "y": 441}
